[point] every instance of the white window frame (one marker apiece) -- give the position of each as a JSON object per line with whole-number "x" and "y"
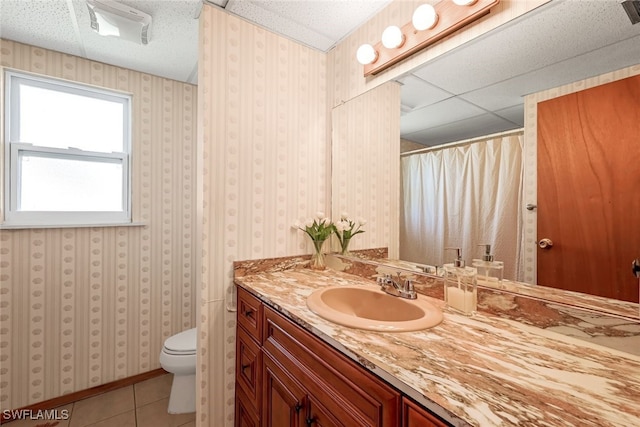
{"x": 14, "y": 148}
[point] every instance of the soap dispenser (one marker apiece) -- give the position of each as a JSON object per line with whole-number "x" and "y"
{"x": 460, "y": 292}
{"x": 488, "y": 269}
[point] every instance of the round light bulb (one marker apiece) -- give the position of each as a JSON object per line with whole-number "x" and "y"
{"x": 392, "y": 37}
{"x": 424, "y": 17}
{"x": 366, "y": 54}
{"x": 464, "y": 2}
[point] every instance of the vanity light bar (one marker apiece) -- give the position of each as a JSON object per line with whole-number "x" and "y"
{"x": 450, "y": 18}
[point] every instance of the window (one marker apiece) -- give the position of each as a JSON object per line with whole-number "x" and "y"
{"x": 67, "y": 153}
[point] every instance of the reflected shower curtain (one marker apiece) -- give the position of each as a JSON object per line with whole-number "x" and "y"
{"x": 462, "y": 197}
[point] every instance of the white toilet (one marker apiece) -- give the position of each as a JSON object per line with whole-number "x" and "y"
{"x": 178, "y": 356}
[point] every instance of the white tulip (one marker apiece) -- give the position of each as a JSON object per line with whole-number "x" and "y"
{"x": 309, "y": 223}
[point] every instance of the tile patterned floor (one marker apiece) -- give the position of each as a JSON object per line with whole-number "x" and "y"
{"x": 141, "y": 405}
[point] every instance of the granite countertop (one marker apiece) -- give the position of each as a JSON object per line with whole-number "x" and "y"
{"x": 481, "y": 370}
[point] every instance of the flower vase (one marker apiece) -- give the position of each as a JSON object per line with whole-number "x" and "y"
{"x": 317, "y": 259}
{"x": 344, "y": 247}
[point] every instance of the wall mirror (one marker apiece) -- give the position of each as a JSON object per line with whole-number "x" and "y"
{"x": 478, "y": 89}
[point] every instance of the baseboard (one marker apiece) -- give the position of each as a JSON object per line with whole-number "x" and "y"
{"x": 6, "y": 416}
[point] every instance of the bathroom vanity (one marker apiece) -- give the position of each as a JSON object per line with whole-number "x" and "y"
{"x": 295, "y": 368}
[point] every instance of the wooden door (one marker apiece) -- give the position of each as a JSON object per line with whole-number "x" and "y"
{"x": 284, "y": 400}
{"x": 589, "y": 189}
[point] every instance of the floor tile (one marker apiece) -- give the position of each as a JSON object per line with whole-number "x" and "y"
{"x": 153, "y": 389}
{"x": 101, "y": 407}
{"x": 189, "y": 424}
{"x": 128, "y": 419}
{"x": 155, "y": 415}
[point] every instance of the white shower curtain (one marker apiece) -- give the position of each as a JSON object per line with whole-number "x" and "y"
{"x": 462, "y": 197}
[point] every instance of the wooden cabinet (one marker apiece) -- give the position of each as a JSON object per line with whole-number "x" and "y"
{"x": 283, "y": 397}
{"x": 248, "y": 360}
{"x": 414, "y": 415}
{"x": 288, "y": 377}
{"x": 338, "y": 391}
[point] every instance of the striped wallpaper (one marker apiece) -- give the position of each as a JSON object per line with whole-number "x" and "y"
{"x": 85, "y": 306}
{"x": 264, "y": 142}
{"x": 365, "y": 166}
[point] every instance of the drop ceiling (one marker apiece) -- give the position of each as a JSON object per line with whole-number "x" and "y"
{"x": 478, "y": 89}
{"x": 474, "y": 90}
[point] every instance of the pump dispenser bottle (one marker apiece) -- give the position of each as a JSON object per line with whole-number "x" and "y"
{"x": 488, "y": 269}
{"x": 460, "y": 292}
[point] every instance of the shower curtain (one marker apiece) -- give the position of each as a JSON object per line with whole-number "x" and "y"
{"x": 464, "y": 196}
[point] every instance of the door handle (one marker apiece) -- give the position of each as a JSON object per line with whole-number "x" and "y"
{"x": 545, "y": 243}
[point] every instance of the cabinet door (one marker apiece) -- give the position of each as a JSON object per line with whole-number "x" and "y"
{"x": 416, "y": 416}
{"x": 319, "y": 416}
{"x": 245, "y": 415}
{"x": 283, "y": 399}
{"x": 352, "y": 395}
{"x": 248, "y": 366}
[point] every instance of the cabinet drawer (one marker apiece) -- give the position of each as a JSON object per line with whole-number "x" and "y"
{"x": 250, "y": 314}
{"x": 343, "y": 386}
{"x": 248, "y": 367}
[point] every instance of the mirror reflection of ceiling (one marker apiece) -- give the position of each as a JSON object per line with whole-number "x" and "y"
{"x": 475, "y": 90}
{"x": 478, "y": 89}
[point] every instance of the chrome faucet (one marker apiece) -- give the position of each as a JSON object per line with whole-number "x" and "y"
{"x": 402, "y": 288}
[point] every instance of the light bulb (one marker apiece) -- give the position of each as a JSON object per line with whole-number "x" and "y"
{"x": 425, "y": 17}
{"x": 464, "y": 2}
{"x": 392, "y": 37}
{"x": 366, "y": 54}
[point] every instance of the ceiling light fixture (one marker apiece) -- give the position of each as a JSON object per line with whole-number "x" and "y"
{"x": 366, "y": 54}
{"x": 429, "y": 24}
{"x": 424, "y": 17}
{"x": 392, "y": 37}
{"x": 464, "y": 2}
{"x": 110, "y": 18}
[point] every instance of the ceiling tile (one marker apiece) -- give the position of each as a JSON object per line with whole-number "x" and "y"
{"x": 172, "y": 51}
{"x": 416, "y": 93}
{"x": 511, "y": 92}
{"x": 514, "y": 114}
{"x": 45, "y": 24}
{"x": 315, "y": 23}
{"x": 540, "y": 38}
{"x": 484, "y": 124}
{"x": 449, "y": 110}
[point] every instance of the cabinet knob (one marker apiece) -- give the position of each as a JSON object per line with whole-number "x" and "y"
{"x": 248, "y": 313}
{"x": 310, "y": 421}
{"x": 298, "y": 407}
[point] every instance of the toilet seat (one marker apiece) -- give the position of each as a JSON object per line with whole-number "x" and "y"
{"x": 182, "y": 344}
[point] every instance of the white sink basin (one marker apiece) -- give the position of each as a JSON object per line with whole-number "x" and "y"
{"x": 372, "y": 309}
